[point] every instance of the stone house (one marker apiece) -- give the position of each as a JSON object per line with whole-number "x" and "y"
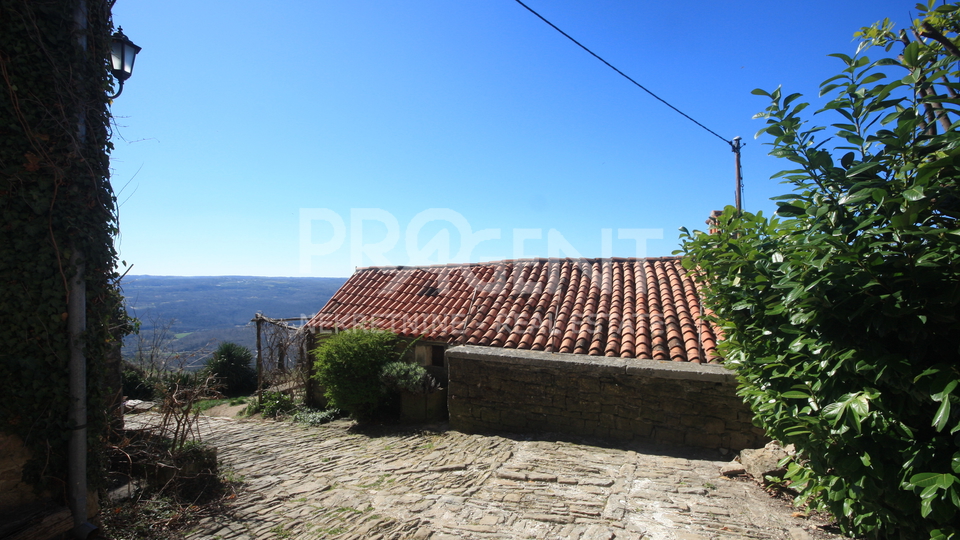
{"x": 615, "y": 347}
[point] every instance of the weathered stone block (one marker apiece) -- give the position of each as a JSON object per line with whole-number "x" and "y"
{"x": 678, "y": 405}
{"x": 631, "y": 425}
{"x": 740, "y": 440}
{"x": 490, "y": 415}
{"x": 588, "y": 385}
{"x": 714, "y": 426}
{"x": 574, "y": 424}
{"x": 668, "y": 435}
{"x": 590, "y": 417}
{"x": 763, "y": 462}
{"x": 514, "y": 422}
{"x": 707, "y": 440}
{"x": 611, "y": 388}
{"x": 653, "y": 416}
{"x": 609, "y": 408}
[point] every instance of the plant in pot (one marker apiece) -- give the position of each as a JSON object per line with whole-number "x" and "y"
{"x": 421, "y": 398}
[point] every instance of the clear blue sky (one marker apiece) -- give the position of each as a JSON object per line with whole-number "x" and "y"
{"x": 251, "y": 131}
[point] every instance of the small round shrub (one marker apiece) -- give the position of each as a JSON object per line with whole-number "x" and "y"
{"x": 348, "y": 367}
{"x": 314, "y": 417}
{"x": 275, "y": 404}
{"x": 407, "y": 377}
{"x": 231, "y": 366}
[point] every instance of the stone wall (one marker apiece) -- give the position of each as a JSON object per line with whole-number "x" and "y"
{"x": 494, "y": 389}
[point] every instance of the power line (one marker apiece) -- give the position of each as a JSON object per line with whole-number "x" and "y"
{"x": 595, "y": 55}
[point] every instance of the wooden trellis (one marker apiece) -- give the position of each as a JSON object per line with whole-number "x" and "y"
{"x": 282, "y": 358}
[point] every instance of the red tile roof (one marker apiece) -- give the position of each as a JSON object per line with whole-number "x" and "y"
{"x": 628, "y": 308}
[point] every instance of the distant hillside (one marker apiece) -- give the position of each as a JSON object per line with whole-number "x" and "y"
{"x": 207, "y": 310}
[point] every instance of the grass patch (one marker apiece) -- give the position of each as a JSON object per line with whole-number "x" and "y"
{"x": 207, "y": 404}
{"x": 281, "y": 532}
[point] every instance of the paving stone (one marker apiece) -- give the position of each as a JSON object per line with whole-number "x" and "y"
{"x": 511, "y": 475}
{"x": 333, "y": 482}
{"x": 541, "y": 477}
{"x": 601, "y": 482}
{"x": 683, "y": 535}
{"x": 733, "y": 469}
{"x": 551, "y": 518}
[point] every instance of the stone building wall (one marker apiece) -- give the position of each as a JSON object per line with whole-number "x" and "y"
{"x": 494, "y": 389}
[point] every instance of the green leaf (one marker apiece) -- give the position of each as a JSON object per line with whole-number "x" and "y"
{"x": 789, "y": 99}
{"x": 851, "y": 198}
{"x": 861, "y": 167}
{"x": 943, "y": 415}
{"x": 911, "y": 53}
{"x": 846, "y": 59}
{"x": 888, "y": 62}
{"x": 935, "y": 480}
{"x": 789, "y": 210}
{"x": 913, "y": 194}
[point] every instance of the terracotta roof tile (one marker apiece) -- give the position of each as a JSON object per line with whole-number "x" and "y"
{"x": 628, "y": 308}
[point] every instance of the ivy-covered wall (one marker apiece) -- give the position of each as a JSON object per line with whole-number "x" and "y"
{"x": 55, "y": 200}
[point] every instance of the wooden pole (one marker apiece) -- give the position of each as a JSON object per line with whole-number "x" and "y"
{"x": 259, "y": 362}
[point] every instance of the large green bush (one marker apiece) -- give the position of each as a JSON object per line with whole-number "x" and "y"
{"x": 231, "y": 364}
{"x": 842, "y": 319}
{"x": 348, "y": 366}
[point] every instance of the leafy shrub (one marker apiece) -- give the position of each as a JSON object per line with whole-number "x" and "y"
{"x": 275, "y": 404}
{"x": 842, "y": 319}
{"x": 231, "y": 365}
{"x": 135, "y": 383}
{"x": 348, "y": 367}
{"x": 169, "y": 381}
{"x": 316, "y": 418}
{"x": 407, "y": 377}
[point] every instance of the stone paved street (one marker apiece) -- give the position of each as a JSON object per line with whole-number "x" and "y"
{"x": 339, "y": 482}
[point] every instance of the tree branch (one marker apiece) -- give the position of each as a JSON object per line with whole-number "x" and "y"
{"x": 938, "y": 108}
{"x": 932, "y": 33}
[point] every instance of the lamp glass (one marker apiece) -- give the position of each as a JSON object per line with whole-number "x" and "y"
{"x": 122, "y": 56}
{"x": 116, "y": 56}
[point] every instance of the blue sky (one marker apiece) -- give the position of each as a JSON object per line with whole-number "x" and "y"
{"x": 305, "y": 138}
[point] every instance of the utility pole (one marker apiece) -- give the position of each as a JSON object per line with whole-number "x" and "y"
{"x": 735, "y": 146}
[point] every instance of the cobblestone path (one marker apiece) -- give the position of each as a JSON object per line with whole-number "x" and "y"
{"x": 337, "y": 482}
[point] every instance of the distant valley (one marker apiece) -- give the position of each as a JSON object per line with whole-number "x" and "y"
{"x": 196, "y": 313}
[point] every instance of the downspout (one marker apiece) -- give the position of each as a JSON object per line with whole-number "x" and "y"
{"x": 77, "y": 413}
{"x": 77, "y": 364}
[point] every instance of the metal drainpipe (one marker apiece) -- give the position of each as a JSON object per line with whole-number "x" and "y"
{"x": 77, "y": 364}
{"x": 77, "y": 413}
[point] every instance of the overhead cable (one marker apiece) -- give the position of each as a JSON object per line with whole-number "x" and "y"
{"x": 595, "y": 55}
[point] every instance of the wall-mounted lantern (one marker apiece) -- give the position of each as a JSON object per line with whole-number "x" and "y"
{"x": 122, "y": 56}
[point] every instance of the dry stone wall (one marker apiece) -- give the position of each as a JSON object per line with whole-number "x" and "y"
{"x": 494, "y": 389}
